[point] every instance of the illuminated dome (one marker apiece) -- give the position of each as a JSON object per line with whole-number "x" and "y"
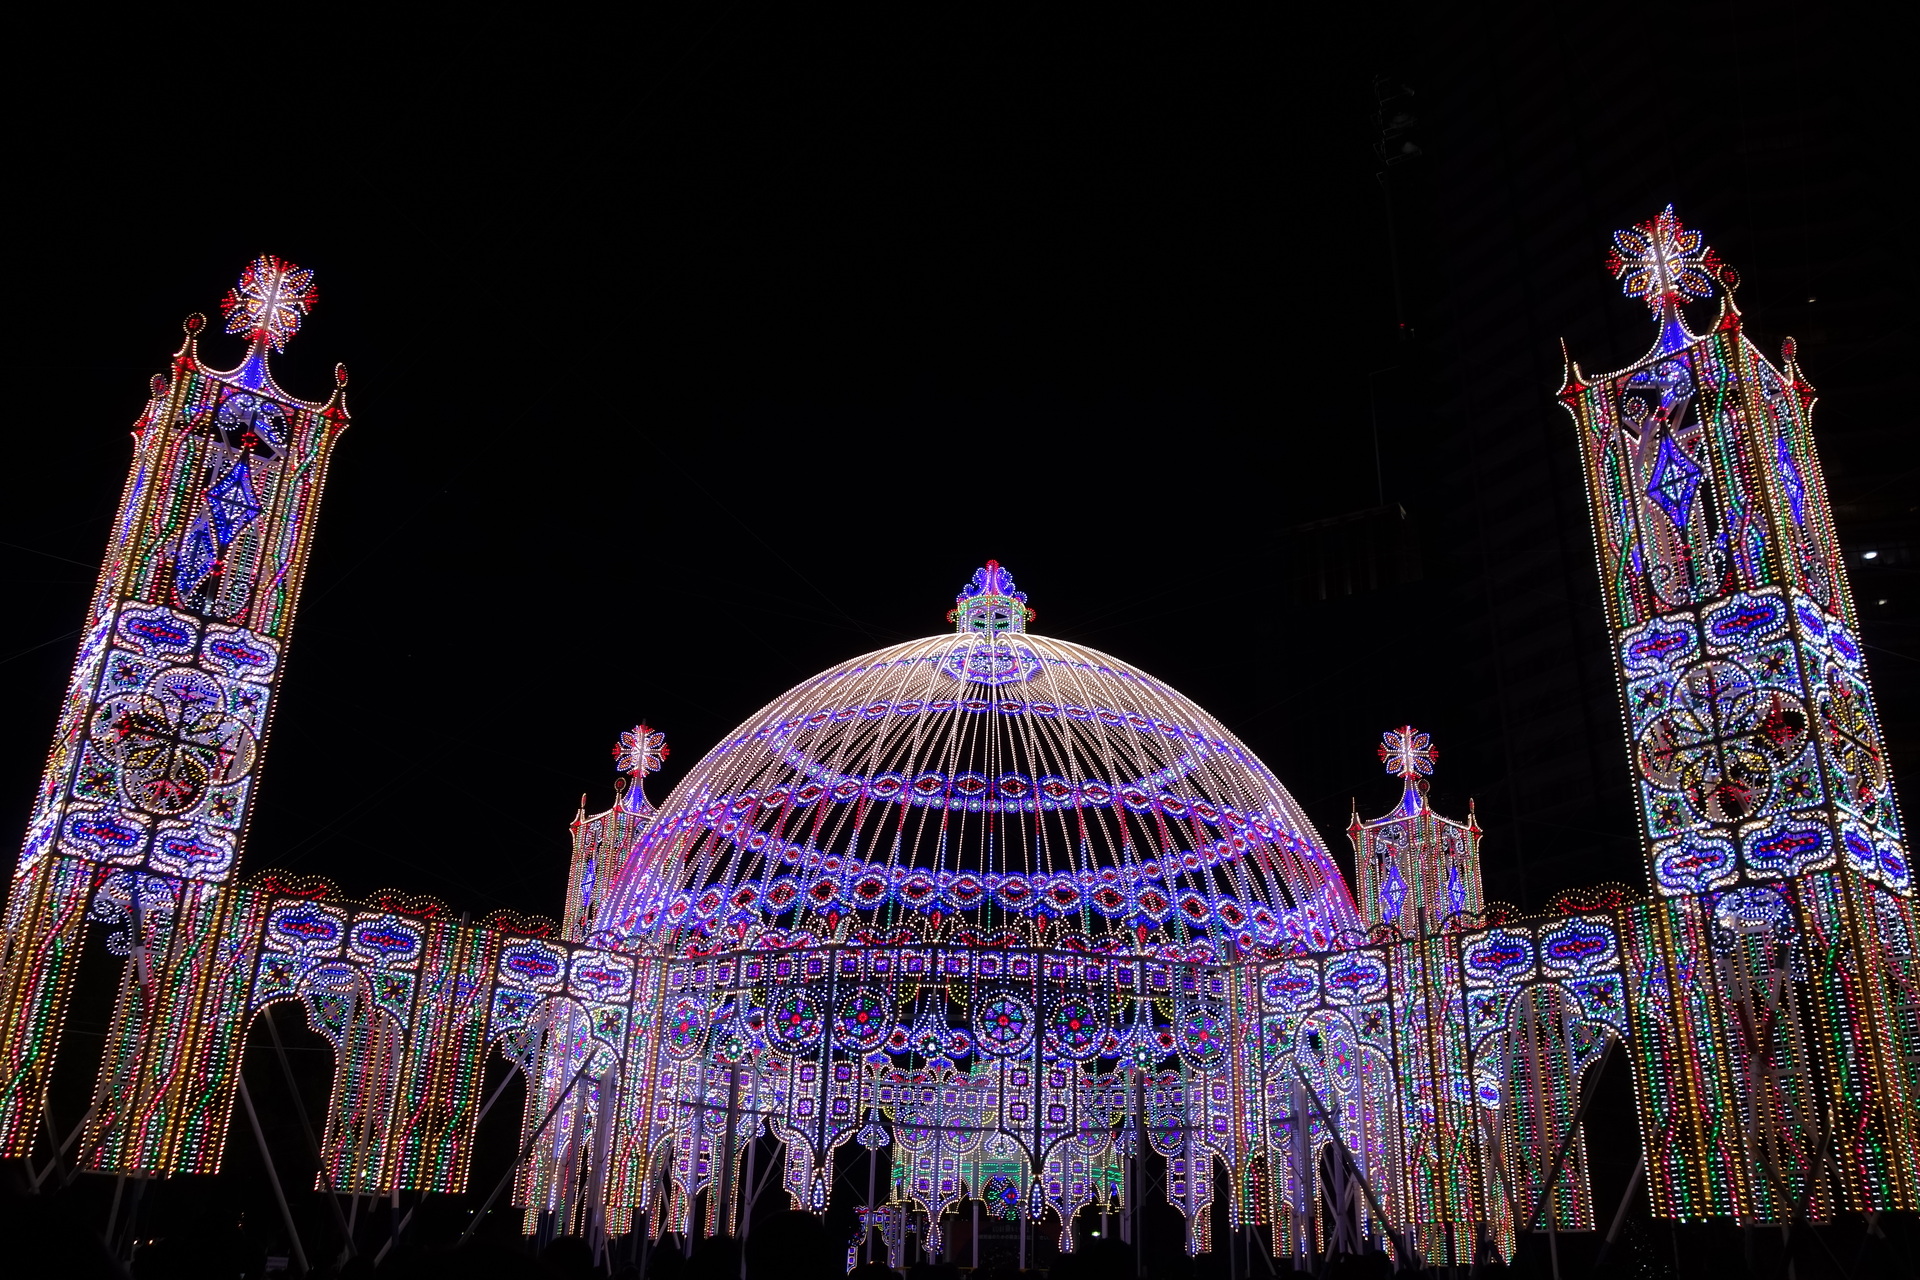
{"x": 979, "y": 782}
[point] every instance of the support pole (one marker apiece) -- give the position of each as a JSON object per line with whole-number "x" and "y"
{"x": 86, "y": 1153}
{"x": 1300, "y": 1241}
{"x": 693, "y": 1166}
{"x": 1402, "y": 1245}
{"x": 1139, "y": 1169}
{"x": 1193, "y": 1192}
{"x": 728, "y": 1218}
{"x": 273, "y": 1180}
{"x": 122, "y": 1247}
{"x": 1789, "y": 1240}
{"x": 1620, "y": 1214}
{"x": 572, "y": 1156}
{"x": 398, "y": 1231}
{"x": 1566, "y": 1143}
{"x": 657, "y": 1197}
{"x": 866, "y": 1234}
{"x": 58, "y": 1160}
{"x": 1340, "y": 1210}
{"x": 113, "y": 1213}
{"x": 306, "y": 1127}
{"x": 526, "y": 1149}
{"x": 1633, "y": 1184}
{"x": 746, "y": 1201}
{"x": 597, "y": 1177}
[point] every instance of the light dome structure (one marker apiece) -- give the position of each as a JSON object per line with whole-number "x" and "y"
{"x": 974, "y": 783}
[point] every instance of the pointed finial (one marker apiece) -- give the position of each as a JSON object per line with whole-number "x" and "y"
{"x": 336, "y": 406}
{"x": 991, "y": 603}
{"x": 192, "y": 327}
{"x": 1571, "y": 379}
{"x": 271, "y": 299}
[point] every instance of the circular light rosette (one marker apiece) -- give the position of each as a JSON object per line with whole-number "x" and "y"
{"x": 862, "y": 1021}
{"x": 795, "y": 1021}
{"x": 684, "y": 1029}
{"x": 1203, "y": 1036}
{"x": 1074, "y": 1030}
{"x": 1004, "y": 1026}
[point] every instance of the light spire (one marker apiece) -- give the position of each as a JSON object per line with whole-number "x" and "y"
{"x": 640, "y": 751}
{"x": 1664, "y": 264}
{"x": 1409, "y": 755}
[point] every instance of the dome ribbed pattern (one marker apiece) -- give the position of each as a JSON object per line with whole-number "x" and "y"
{"x": 965, "y": 785}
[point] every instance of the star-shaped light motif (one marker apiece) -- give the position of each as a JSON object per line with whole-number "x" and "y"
{"x": 1661, "y": 262}
{"x": 271, "y": 299}
{"x": 1407, "y": 752}
{"x": 641, "y": 751}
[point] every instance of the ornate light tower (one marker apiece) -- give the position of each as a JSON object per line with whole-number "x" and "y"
{"x": 602, "y": 842}
{"x": 144, "y": 804}
{"x": 1773, "y": 971}
{"x": 1414, "y": 868}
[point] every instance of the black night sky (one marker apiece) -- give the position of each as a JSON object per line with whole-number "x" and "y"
{"x": 694, "y": 350}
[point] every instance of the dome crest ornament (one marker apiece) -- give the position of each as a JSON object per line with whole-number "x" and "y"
{"x": 987, "y": 611}
{"x": 990, "y": 605}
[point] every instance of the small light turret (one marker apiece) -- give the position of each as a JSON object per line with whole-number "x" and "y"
{"x": 990, "y": 604}
{"x": 1414, "y": 869}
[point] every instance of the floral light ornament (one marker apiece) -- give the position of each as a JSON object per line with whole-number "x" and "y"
{"x": 641, "y": 751}
{"x": 1407, "y": 752}
{"x": 270, "y": 301}
{"x": 1663, "y": 263}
